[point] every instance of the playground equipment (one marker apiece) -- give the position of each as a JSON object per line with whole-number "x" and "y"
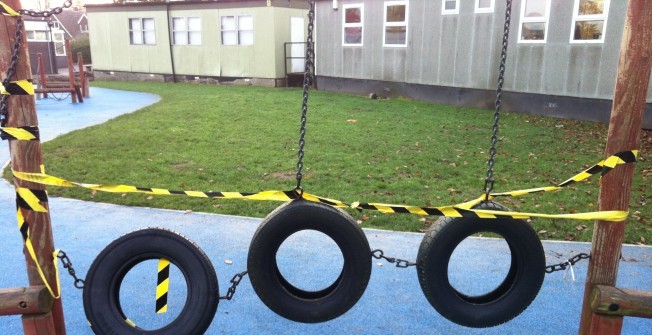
{"x": 75, "y": 84}
{"x": 305, "y": 306}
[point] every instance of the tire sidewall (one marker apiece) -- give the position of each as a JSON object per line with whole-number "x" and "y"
{"x": 340, "y": 227}
{"x": 105, "y": 276}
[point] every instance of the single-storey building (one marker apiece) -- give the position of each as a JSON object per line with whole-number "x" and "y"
{"x": 562, "y": 59}
{"x": 213, "y": 41}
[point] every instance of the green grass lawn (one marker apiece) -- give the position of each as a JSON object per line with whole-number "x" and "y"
{"x": 231, "y": 138}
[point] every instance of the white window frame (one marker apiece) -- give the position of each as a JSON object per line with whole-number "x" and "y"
{"x": 596, "y": 17}
{"x": 386, "y": 24}
{"x": 61, "y": 49}
{"x": 353, "y": 25}
{"x": 31, "y": 36}
{"x": 545, "y": 19}
{"x": 186, "y": 29}
{"x": 445, "y": 11}
{"x": 237, "y": 30}
{"x": 485, "y": 10}
{"x": 141, "y": 31}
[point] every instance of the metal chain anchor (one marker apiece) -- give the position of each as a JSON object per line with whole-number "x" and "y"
{"x": 235, "y": 281}
{"x": 489, "y": 180}
{"x": 570, "y": 262}
{"x": 400, "y": 263}
{"x": 307, "y": 81}
{"x": 67, "y": 264}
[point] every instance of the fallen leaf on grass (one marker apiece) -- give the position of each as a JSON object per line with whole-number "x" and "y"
{"x": 351, "y": 120}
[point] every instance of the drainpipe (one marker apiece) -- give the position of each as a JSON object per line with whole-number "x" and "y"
{"x": 167, "y": 12}
{"x": 334, "y": 4}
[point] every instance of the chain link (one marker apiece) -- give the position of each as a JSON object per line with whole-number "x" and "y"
{"x": 67, "y": 264}
{"x": 307, "y": 81}
{"x": 570, "y": 262}
{"x": 46, "y": 13}
{"x": 400, "y": 263}
{"x": 11, "y": 70}
{"x": 489, "y": 180}
{"x": 235, "y": 281}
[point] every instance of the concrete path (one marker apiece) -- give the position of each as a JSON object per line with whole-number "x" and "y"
{"x": 392, "y": 304}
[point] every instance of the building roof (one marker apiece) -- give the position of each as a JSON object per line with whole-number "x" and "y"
{"x": 218, "y": 3}
{"x": 71, "y": 21}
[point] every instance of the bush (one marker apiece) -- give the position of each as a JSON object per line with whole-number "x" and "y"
{"x": 81, "y": 44}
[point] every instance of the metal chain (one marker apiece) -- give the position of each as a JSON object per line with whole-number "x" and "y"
{"x": 570, "y": 262}
{"x": 67, "y": 264}
{"x": 489, "y": 180}
{"x": 45, "y": 13}
{"x": 11, "y": 70}
{"x": 235, "y": 281}
{"x": 307, "y": 81}
{"x": 400, "y": 263}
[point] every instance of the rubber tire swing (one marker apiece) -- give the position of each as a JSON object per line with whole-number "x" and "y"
{"x": 103, "y": 281}
{"x": 292, "y": 302}
{"x": 510, "y": 298}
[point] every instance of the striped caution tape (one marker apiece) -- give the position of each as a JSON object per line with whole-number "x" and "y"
{"x": 162, "y": 286}
{"x": 31, "y": 199}
{"x": 29, "y": 133}
{"x": 465, "y": 209}
{"x": 6, "y": 10}
{"x": 24, "y": 228}
{"x": 459, "y": 210}
{"x": 42, "y": 178}
{"x": 603, "y": 167}
{"x": 20, "y": 87}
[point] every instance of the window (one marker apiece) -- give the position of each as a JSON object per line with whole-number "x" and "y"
{"x": 59, "y": 44}
{"x": 37, "y": 36}
{"x": 395, "y": 33}
{"x": 484, "y": 6}
{"x": 83, "y": 28}
{"x": 141, "y": 31}
{"x": 186, "y": 31}
{"x": 450, "y": 7}
{"x": 589, "y": 21}
{"x": 534, "y": 21}
{"x": 238, "y": 30}
{"x": 353, "y": 21}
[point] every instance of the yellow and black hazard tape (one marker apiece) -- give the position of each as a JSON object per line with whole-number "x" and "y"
{"x": 29, "y": 133}
{"x": 465, "y": 210}
{"x": 162, "y": 286}
{"x": 603, "y": 167}
{"x": 6, "y": 10}
{"x": 32, "y": 200}
{"x": 24, "y": 228}
{"x": 42, "y": 178}
{"x": 20, "y": 87}
{"x": 459, "y": 210}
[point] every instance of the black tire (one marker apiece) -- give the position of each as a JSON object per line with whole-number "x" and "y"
{"x": 294, "y": 303}
{"x": 519, "y": 288}
{"x": 102, "y": 286}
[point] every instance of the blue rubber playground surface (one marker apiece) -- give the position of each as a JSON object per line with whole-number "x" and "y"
{"x": 392, "y": 304}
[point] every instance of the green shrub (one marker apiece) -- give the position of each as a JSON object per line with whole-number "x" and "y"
{"x": 81, "y": 44}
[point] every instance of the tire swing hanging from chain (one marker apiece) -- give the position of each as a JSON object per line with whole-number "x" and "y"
{"x": 526, "y": 271}
{"x": 267, "y": 280}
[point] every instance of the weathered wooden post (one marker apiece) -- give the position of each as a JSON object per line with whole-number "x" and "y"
{"x": 624, "y": 130}
{"x": 71, "y": 72}
{"x": 83, "y": 83}
{"x": 26, "y": 156}
{"x": 41, "y": 70}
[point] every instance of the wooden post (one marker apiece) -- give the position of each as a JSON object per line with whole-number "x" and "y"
{"x": 26, "y": 156}
{"x": 624, "y": 130}
{"x": 41, "y": 71}
{"x": 71, "y": 71}
{"x": 82, "y": 74}
{"x": 609, "y": 300}
{"x": 25, "y": 300}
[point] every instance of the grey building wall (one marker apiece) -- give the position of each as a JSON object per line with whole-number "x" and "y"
{"x": 454, "y": 58}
